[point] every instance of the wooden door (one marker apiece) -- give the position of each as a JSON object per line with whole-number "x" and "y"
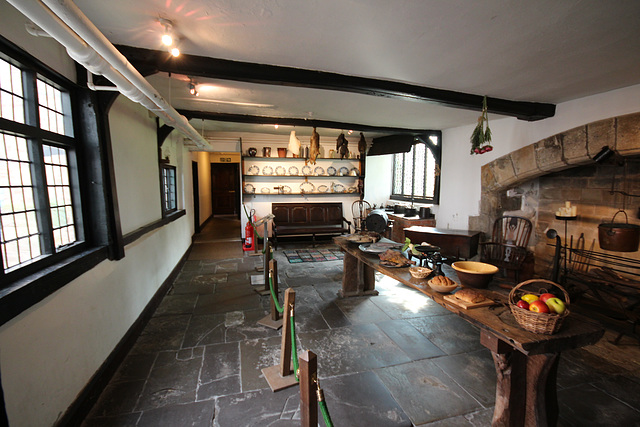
{"x": 225, "y": 182}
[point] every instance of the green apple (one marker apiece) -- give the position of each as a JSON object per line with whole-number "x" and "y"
{"x": 529, "y": 298}
{"x": 556, "y": 305}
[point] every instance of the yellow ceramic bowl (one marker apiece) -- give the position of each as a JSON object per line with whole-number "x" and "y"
{"x": 474, "y": 274}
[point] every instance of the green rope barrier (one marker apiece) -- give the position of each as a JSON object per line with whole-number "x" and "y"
{"x": 325, "y": 413}
{"x": 273, "y": 295}
{"x": 294, "y": 348}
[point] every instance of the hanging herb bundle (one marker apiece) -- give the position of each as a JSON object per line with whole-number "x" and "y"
{"x": 481, "y": 136}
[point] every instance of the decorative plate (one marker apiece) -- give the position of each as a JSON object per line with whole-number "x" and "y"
{"x": 344, "y": 171}
{"x": 307, "y": 187}
{"x": 354, "y": 172}
{"x": 338, "y": 188}
{"x": 319, "y": 170}
{"x": 280, "y": 170}
{"x": 250, "y": 189}
{"x": 323, "y": 188}
{"x": 265, "y": 190}
{"x": 352, "y": 190}
{"x": 286, "y": 189}
{"x": 253, "y": 170}
{"x": 306, "y": 170}
{"x": 293, "y": 170}
{"x": 267, "y": 170}
{"x": 331, "y": 171}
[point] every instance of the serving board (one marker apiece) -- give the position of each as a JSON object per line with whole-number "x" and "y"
{"x": 467, "y": 305}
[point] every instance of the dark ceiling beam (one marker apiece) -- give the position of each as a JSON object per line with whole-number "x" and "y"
{"x": 148, "y": 62}
{"x": 327, "y": 124}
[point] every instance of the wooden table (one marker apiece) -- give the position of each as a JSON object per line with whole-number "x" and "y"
{"x": 461, "y": 244}
{"x": 526, "y": 363}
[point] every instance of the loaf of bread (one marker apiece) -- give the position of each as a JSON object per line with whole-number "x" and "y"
{"x": 469, "y": 295}
{"x": 442, "y": 281}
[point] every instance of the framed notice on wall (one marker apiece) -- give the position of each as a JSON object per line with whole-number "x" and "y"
{"x": 221, "y": 157}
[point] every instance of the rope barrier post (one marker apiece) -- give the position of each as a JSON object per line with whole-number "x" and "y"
{"x": 266, "y": 257}
{"x": 308, "y": 401}
{"x": 282, "y": 376}
{"x": 272, "y": 320}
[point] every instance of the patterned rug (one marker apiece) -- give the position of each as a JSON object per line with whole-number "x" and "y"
{"x": 312, "y": 255}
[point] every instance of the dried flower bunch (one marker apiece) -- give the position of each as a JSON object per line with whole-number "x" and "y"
{"x": 481, "y": 136}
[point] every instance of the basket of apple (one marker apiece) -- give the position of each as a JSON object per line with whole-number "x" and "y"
{"x": 542, "y": 311}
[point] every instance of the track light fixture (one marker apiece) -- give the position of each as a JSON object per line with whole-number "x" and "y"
{"x": 192, "y": 88}
{"x": 169, "y": 37}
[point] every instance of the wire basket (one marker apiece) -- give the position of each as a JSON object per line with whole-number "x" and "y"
{"x": 539, "y": 323}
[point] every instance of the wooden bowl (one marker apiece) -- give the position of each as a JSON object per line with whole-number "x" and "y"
{"x": 443, "y": 288}
{"x": 474, "y": 274}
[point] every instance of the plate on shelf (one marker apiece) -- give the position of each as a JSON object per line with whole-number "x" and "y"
{"x": 306, "y": 170}
{"x": 265, "y": 190}
{"x": 319, "y": 170}
{"x": 331, "y": 171}
{"x": 307, "y": 187}
{"x": 323, "y": 188}
{"x": 267, "y": 170}
{"x": 253, "y": 170}
{"x": 280, "y": 170}
{"x": 344, "y": 171}
{"x": 293, "y": 170}
{"x": 354, "y": 172}
{"x": 352, "y": 190}
{"x": 250, "y": 189}
{"x": 338, "y": 188}
{"x": 286, "y": 189}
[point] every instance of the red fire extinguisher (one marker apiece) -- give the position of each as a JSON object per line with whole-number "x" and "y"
{"x": 249, "y": 242}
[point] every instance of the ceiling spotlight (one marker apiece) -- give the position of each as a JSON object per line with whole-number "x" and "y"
{"x": 167, "y": 36}
{"x": 175, "y": 52}
{"x": 276, "y": 126}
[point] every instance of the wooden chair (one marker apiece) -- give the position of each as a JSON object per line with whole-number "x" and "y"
{"x": 507, "y": 248}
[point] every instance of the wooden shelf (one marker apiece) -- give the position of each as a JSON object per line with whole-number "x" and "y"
{"x": 302, "y": 176}
{"x": 302, "y": 194}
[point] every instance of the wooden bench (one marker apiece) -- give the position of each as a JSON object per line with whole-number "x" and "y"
{"x": 304, "y": 219}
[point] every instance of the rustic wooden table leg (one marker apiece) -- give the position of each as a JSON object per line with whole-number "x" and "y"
{"x": 542, "y": 401}
{"x": 357, "y": 278}
{"x": 525, "y": 385}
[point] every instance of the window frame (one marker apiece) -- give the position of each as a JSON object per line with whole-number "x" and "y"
{"x": 436, "y": 151}
{"x": 37, "y": 138}
{"x": 166, "y": 189}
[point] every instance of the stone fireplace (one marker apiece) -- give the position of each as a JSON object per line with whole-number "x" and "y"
{"x": 536, "y": 180}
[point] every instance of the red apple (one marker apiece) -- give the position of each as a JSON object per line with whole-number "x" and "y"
{"x": 539, "y": 307}
{"x": 545, "y": 297}
{"x": 556, "y": 305}
{"x": 523, "y": 304}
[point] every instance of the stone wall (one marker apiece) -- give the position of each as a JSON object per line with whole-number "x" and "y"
{"x": 539, "y": 178}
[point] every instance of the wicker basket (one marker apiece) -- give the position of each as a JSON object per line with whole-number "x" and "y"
{"x": 420, "y": 272}
{"x": 539, "y": 323}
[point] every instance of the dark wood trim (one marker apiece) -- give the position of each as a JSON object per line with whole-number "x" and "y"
{"x": 24, "y": 293}
{"x": 116, "y": 242}
{"x": 135, "y": 235}
{"x": 152, "y": 61}
{"x": 79, "y": 409}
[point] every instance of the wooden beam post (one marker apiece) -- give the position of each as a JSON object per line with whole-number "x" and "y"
{"x": 308, "y": 400}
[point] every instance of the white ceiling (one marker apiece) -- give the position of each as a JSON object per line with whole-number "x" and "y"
{"x": 547, "y": 51}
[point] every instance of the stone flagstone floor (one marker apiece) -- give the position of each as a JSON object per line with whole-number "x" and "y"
{"x": 396, "y": 359}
